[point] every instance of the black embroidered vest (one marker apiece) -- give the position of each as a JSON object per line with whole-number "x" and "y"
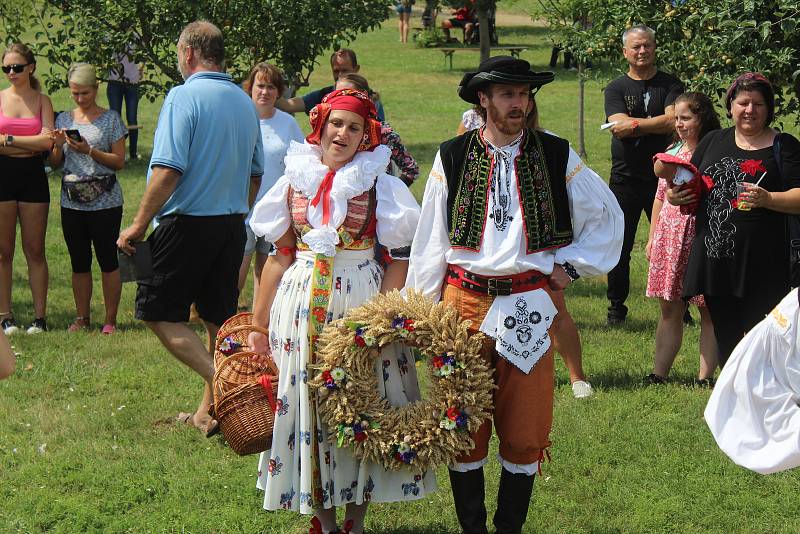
{"x": 541, "y": 169}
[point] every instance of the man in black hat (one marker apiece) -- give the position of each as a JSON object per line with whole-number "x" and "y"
{"x": 510, "y": 214}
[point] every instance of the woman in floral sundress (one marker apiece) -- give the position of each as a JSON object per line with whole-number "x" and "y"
{"x": 325, "y": 215}
{"x": 669, "y": 244}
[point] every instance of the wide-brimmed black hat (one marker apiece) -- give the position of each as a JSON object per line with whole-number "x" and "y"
{"x": 504, "y": 70}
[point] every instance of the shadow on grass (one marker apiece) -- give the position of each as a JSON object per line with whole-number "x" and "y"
{"x": 437, "y": 528}
{"x": 618, "y": 379}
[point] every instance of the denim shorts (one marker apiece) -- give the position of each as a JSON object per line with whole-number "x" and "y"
{"x": 255, "y": 244}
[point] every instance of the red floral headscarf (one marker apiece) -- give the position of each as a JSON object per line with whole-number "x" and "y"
{"x": 349, "y": 100}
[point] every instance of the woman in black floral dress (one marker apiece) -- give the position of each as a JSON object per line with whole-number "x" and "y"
{"x": 740, "y": 256}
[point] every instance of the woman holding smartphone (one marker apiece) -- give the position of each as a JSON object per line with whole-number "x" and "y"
{"x": 26, "y": 119}
{"x": 90, "y": 143}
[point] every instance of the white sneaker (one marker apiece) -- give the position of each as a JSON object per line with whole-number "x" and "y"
{"x": 38, "y": 326}
{"x": 9, "y": 326}
{"x": 582, "y": 389}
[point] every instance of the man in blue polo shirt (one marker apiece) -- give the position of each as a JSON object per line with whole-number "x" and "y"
{"x": 204, "y": 174}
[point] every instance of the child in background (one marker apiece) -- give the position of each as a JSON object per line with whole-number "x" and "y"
{"x": 670, "y": 241}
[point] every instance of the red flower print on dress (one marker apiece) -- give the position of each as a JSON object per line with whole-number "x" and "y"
{"x": 752, "y": 166}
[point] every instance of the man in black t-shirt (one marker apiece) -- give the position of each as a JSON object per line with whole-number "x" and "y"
{"x": 640, "y": 104}
{"x": 343, "y": 61}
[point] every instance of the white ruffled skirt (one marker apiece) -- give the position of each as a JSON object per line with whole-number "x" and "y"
{"x": 753, "y": 411}
{"x": 284, "y": 472}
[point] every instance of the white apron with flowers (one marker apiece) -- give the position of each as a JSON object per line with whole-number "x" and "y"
{"x": 285, "y": 471}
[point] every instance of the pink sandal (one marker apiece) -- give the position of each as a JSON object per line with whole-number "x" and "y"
{"x": 80, "y": 323}
{"x": 108, "y": 329}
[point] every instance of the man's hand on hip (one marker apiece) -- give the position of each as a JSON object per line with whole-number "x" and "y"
{"x": 559, "y": 279}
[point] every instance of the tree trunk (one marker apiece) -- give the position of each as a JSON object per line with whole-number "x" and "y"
{"x": 581, "y": 101}
{"x": 483, "y": 27}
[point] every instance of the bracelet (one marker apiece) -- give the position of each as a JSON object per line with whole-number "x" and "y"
{"x": 635, "y": 124}
{"x": 570, "y": 270}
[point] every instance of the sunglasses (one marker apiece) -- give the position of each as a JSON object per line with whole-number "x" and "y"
{"x": 16, "y": 68}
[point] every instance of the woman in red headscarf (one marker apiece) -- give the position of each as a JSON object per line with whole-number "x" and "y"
{"x": 324, "y": 216}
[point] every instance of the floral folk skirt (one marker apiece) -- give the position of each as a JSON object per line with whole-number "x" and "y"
{"x": 285, "y": 471}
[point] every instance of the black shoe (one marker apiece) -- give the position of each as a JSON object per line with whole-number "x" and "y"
{"x": 704, "y": 383}
{"x": 468, "y": 495}
{"x": 615, "y": 319}
{"x": 513, "y": 498}
{"x": 654, "y": 380}
{"x": 39, "y": 325}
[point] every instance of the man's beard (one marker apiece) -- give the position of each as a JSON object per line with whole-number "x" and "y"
{"x": 508, "y": 124}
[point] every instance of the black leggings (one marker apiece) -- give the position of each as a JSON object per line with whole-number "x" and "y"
{"x": 733, "y": 317}
{"x": 100, "y": 228}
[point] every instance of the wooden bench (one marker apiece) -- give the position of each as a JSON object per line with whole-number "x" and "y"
{"x": 449, "y": 51}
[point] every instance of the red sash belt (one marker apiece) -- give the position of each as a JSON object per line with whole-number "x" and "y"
{"x": 495, "y": 285}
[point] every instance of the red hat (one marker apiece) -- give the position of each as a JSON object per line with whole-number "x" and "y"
{"x": 352, "y": 100}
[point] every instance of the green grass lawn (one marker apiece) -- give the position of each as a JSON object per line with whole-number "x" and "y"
{"x": 86, "y": 438}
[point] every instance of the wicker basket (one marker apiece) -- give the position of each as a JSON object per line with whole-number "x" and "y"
{"x": 245, "y": 409}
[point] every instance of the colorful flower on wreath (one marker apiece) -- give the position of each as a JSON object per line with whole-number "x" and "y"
{"x": 453, "y": 419}
{"x": 403, "y": 452}
{"x": 360, "y": 338}
{"x": 333, "y": 378}
{"x": 404, "y": 325}
{"x": 356, "y": 431}
{"x": 445, "y": 365}
{"x": 228, "y": 345}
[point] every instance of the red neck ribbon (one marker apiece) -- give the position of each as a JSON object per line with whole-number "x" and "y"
{"x": 324, "y": 194}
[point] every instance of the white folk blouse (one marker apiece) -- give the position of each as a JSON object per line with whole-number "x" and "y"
{"x": 396, "y": 209}
{"x": 597, "y": 225}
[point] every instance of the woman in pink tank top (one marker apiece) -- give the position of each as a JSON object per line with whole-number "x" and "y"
{"x": 26, "y": 122}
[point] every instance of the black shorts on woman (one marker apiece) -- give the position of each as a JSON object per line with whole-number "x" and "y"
{"x": 24, "y": 180}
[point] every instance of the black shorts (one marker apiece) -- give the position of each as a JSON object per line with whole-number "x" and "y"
{"x": 195, "y": 259}
{"x": 23, "y": 180}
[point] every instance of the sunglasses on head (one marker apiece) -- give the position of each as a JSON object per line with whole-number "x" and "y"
{"x": 16, "y": 68}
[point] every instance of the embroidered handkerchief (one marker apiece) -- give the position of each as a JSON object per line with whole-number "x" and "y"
{"x": 519, "y": 324}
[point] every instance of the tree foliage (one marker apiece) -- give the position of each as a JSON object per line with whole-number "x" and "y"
{"x": 706, "y": 43}
{"x": 290, "y": 33}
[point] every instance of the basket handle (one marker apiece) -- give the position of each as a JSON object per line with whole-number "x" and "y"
{"x": 266, "y": 383}
{"x": 247, "y": 327}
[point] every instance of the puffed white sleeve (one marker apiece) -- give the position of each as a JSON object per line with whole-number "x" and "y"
{"x": 597, "y": 221}
{"x": 427, "y": 267}
{"x": 753, "y": 411}
{"x": 397, "y": 212}
{"x": 271, "y": 217}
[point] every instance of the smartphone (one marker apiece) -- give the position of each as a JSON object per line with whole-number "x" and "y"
{"x": 75, "y": 135}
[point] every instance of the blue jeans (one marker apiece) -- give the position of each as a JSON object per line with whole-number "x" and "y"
{"x": 116, "y": 92}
